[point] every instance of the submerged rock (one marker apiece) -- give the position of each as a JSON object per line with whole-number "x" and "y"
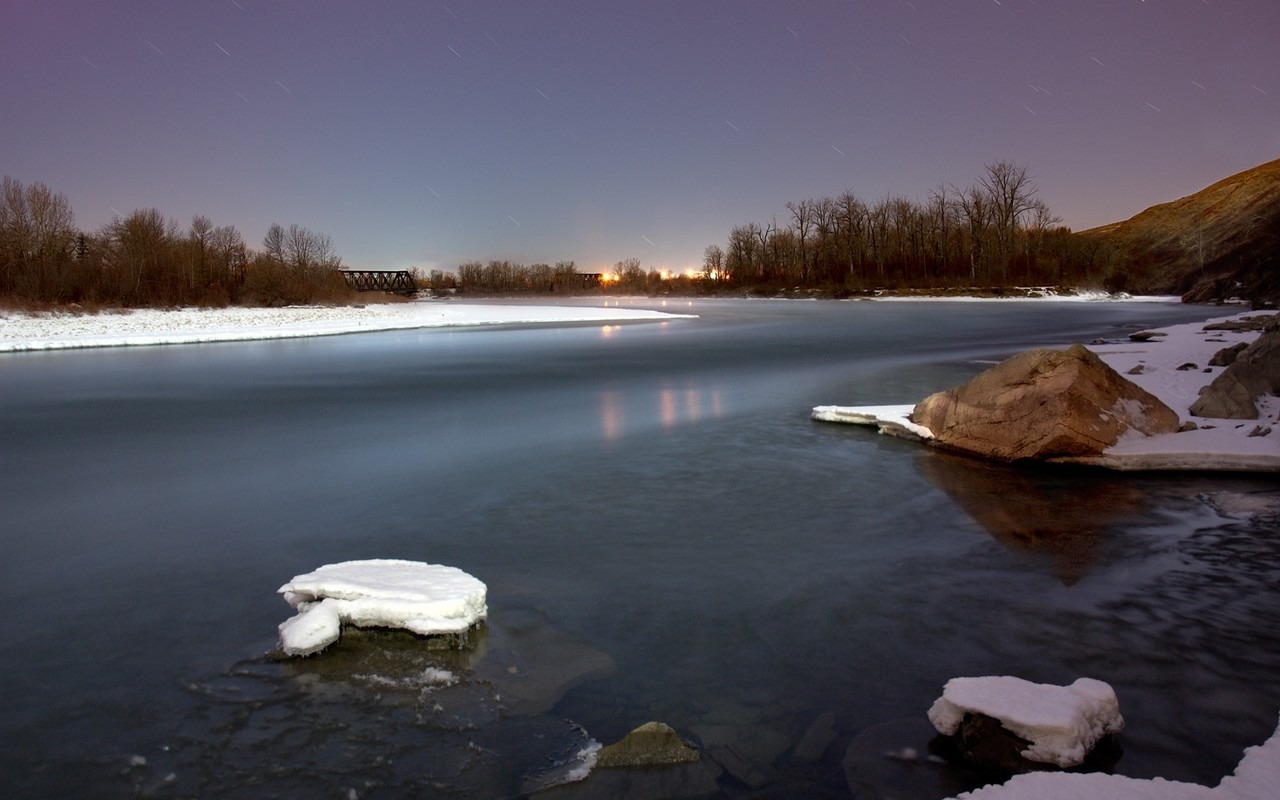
{"x": 651, "y": 744}
{"x": 1043, "y": 404}
{"x": 893, "y": 760}
{"x": 656, "y": 764}
{"x": 534, "y": 663}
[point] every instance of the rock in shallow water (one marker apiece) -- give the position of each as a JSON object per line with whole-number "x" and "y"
{"x": 1011, "y": 725}
{"x": 651, "y": 744}
{"x": 426, "y": 599}
{"x": 1042, "y": 405}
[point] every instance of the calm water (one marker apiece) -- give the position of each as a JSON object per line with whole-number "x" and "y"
{"x": 664, "y": 533}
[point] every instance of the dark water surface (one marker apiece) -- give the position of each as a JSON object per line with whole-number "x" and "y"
{"x": 664, "y": 533}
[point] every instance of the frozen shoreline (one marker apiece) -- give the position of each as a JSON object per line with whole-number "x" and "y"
{"x": 1158, "y": 365}
{"x": 21, "y": 332}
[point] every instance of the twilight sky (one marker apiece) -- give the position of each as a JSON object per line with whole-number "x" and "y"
{"x": 430, "y": 133}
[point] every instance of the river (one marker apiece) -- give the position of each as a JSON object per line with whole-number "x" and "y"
{"x": 665, "y": 535}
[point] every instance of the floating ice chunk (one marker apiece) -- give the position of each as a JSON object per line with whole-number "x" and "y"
{"x": 1063, "y": 723}
{"x": 423, "y": 598}
{"x": 892, "y": 420}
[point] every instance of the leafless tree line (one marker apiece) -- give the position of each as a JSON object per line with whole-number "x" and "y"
{"x": 996, "y": 232}
{"x": 507, "y": 277}
{"x": 146, "y": 259}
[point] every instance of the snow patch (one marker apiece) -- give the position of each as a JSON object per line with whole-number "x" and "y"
{"x": 26, "y": 332}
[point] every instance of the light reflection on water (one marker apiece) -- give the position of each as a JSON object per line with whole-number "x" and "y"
{"x": 664, "y": 532}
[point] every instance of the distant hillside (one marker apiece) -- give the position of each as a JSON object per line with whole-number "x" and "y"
{"x": 1219, "y": 242}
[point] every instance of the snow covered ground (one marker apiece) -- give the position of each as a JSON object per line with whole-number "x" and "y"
{"x": 1037, "y": 294}
{"x": 1217, "y": 444}
{"x": 57, "y": 331}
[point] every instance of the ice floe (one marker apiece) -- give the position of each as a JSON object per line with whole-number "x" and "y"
{"x": 426, "y": 599}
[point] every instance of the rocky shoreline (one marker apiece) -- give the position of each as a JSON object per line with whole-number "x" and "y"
{"x": 1189, "y": 397}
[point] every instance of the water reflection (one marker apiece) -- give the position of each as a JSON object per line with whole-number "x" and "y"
{"x": 1063, "y": 515}
{"x": 611, "y": 415}
{"x": 669, "y": 408}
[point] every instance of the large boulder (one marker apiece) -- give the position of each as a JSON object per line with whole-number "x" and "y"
{"x": 1254, "y": 372}
{"x": 1042, "y": 405}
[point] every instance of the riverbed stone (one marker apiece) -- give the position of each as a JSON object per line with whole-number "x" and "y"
{"x": 1042, "y": 405}
{"x": 651, "y": 744}
{"x": 674, "y": 782}
{"x": 817, "y": 738}
{"x": 533, "y": 663}
{"x": 892, "y": 760}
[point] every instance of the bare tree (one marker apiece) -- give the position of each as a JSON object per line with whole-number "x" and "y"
{"x": 713, "y": 262}
{"x": 939, "y": 215}
{"x": 37, "y": 234}
{"x": 853, "y": 229}
{"x": 141, "y": 255}
{"x": 802, "y": 214}
{"x": 741, "y": 259}
{"x": 1011, "y": 195}
{"x": 630, "y": 273}
{"x": 198, "y": 240}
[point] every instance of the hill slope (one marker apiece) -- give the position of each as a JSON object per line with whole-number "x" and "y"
{"x": 1221, "y": 241}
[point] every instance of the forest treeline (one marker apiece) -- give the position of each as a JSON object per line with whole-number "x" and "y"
{"x": 145, "y": 259}
{"x": 996, "y": 232}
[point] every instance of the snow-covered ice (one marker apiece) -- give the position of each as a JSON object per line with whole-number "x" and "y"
{"x": 1217, "y": 444}
{"x": 423, "y": 598}
{"x": 1257, "y": 777}
{"x": 56, "y": 331}
{"x": 894, "y": 420}
{"x": 1035, "y": 294}
{"x": 1062, "y": 723}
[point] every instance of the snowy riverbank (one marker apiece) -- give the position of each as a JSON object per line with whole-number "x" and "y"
{"x": 1172, "y": 364}
{"x": 59, "y": 331}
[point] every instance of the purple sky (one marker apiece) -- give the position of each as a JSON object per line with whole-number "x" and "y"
{"x": 425, "y": 133}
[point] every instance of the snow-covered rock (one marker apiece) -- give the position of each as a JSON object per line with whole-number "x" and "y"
{"x": 426, "y": 599}
{"x": 1061, "y": 723}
